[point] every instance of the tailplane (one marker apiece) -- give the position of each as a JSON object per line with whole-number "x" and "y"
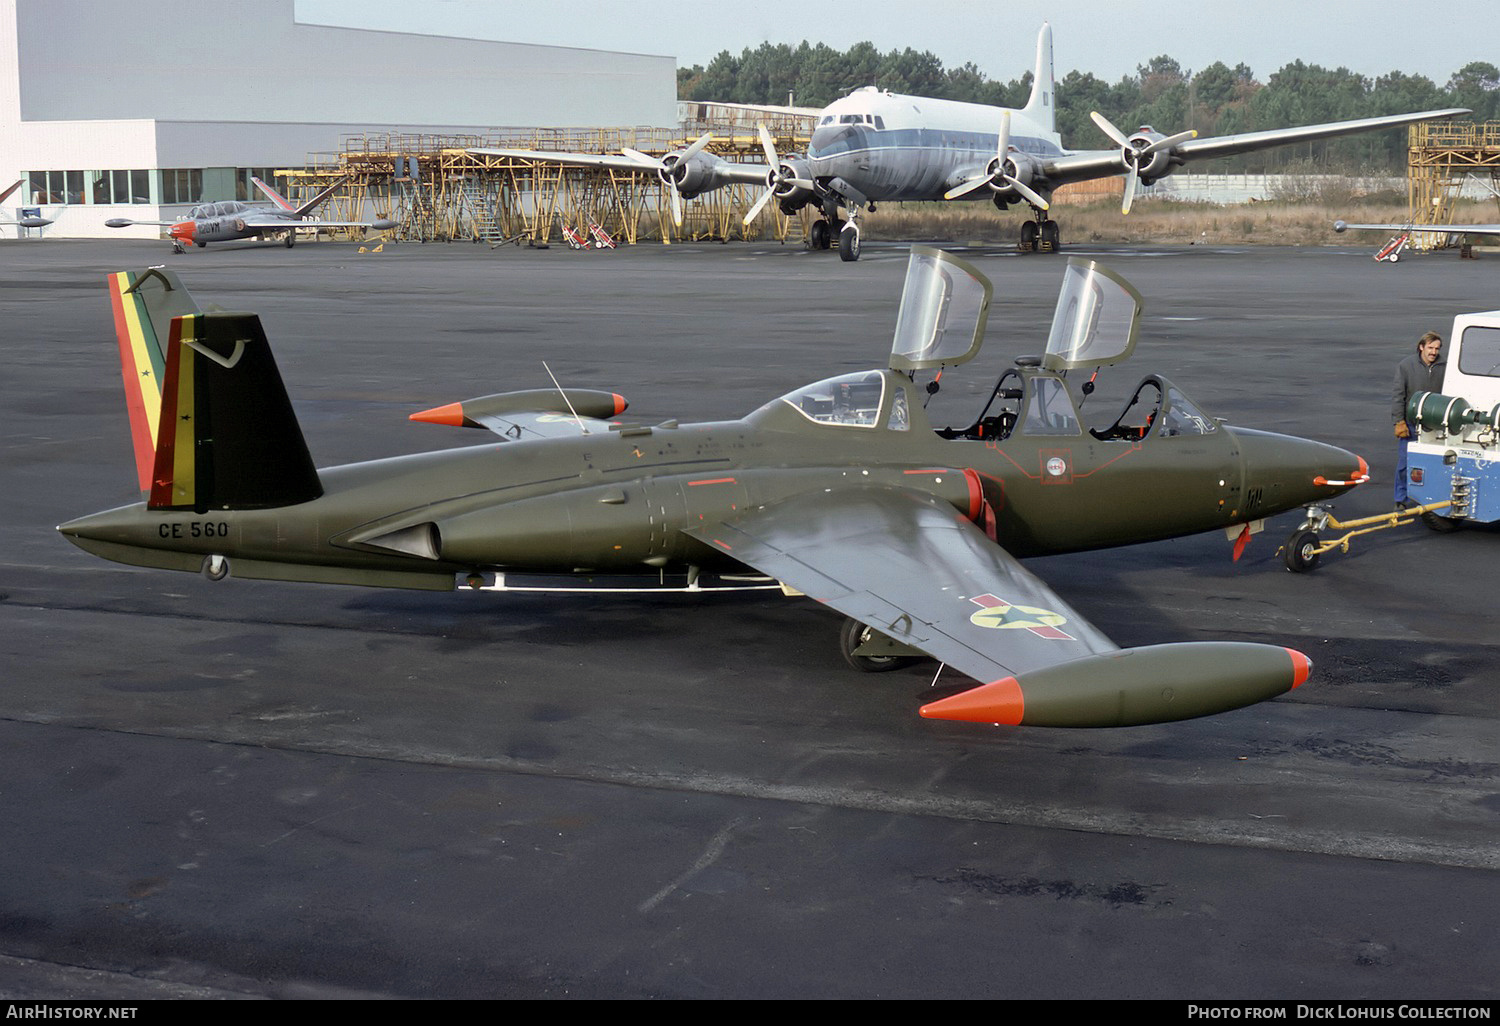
{"x": 1042, "y": 106}
{"x": 211, "y": 421}
{"x": 306, "y": 208}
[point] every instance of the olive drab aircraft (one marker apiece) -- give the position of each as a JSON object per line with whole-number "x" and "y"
{"x": 875, "y": 146}
{"x": 843, "y": 491}
{"x": 231, "y": 220}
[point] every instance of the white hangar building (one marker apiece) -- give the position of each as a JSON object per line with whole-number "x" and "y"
{"x": 142, "y": 109}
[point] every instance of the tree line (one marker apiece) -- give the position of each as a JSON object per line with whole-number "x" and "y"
{"x": 1217, "y": 100}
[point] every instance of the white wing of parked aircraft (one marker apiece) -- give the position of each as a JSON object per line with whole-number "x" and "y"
{"x": 874, "y": 145}
{"x": 25, "y": 222}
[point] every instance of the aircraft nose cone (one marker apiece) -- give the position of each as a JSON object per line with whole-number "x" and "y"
{"x": 184, "y": 230}
{"x": 1283, "y": 472}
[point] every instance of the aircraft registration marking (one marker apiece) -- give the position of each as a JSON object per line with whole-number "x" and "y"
{"x": 996, "y": 613}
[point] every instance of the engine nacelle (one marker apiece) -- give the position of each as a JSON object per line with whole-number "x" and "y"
{"x": 789, "y": 196}
{"x": 699, "y": 173}
{"x": 1157, "y": 165}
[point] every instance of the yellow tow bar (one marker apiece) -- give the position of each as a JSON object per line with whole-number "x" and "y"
{"x": 1304, "y": 547}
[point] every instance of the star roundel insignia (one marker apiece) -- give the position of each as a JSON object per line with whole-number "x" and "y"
{"x": 998, "y": 614}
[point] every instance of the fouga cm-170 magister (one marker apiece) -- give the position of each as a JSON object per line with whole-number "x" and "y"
{"x": 842, "y": 491}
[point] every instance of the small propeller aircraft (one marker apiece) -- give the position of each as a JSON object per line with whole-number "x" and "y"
{"x": 229, "y": 220}
{"x": 25, "y": 222}
{"x": 874, "y": 145}
{"x": 842, "y": 490}
{"x": 1392, "y": 250}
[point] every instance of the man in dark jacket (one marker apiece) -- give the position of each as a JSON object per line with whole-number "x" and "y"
{"x": 1420, "y": 372}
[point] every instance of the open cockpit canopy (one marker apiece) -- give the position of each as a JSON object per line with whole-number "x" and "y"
{"x": 1097, "y": 318}
{"x": 944, "y": 306}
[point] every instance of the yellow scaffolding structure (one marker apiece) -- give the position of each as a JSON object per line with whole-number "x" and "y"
{"x": 437, "y": 190}
{"x": 1441, "y": 156}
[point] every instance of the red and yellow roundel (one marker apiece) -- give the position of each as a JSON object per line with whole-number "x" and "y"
{"x": 998, "y": 614}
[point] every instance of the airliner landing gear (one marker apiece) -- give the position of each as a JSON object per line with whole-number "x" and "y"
{"x": 291, "y": 237}
{"x": 1041, "y": 235}
{"x": 821, "y": 236}
{"x": 849, "y": 242}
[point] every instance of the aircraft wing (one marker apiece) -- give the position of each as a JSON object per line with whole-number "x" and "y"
{"x": 281, "y": 221}
{"x": 725, "y": 172}
{"x": 1438, "y": 229}
{"x": 912, "y": 567}
{"x": 1085, "y": 164}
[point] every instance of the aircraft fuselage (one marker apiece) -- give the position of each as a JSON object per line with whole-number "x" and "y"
{"x": 888, "y": 146}
{"x": 633, "y": 498}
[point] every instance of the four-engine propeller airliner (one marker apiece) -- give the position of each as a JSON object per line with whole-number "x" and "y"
{"x": 875, "y": 146}
{"x": 229, "y": 220}
{"x": 843, "y": 490}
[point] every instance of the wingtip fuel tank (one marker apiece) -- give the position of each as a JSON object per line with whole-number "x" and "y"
{"x": 1133, "y": 687}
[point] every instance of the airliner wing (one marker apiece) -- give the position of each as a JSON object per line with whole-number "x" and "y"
{"x": 1082, "y": 165}
{"x": 1435, "y": 229}
{"x": 724, "y": 172}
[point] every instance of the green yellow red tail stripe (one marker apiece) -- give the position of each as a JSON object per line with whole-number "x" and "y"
{"x": 142, "y": 366}
{"x": 174, "y": 478}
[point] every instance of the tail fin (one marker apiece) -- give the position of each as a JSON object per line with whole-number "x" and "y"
{"x": 274, "y": 196}
{"x": 306, "y": 208}
{"x": 1042, "y": 106}
{"x": 144, "y": 305}
{"x": 209, "y": 416}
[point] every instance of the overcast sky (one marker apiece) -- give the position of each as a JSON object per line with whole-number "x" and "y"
{"x": 1109, "y": 38}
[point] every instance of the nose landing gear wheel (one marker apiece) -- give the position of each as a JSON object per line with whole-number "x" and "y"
{"x": 1301, "y": 552}
{"x": 849, "y": 243}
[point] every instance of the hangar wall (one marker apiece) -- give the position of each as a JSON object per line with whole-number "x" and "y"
{"x": 162, "y": 87}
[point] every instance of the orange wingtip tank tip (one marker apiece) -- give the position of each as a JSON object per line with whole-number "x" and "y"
{"x": 451, "y": 415}
{"x": 620, "y": 403}
{"x": 1301, "y": 668}
{"x": 999, "y": 701}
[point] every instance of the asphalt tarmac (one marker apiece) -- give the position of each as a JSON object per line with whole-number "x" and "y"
{"x": 251, "y": 789}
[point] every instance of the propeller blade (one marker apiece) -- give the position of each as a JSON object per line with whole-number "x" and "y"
{"x": 964, "y": 188}
{"x": 1033, "y": 197}
{"x": 1109, "y": 129}
{"x": 640, "y": 158}
{"x": 1170, "y": 141}
{"x": 697, "y": 147}
{"x": 1004, "y": 145}
{"x": 1130, "y": 182}
{"x": 676, "y": 205}
{"x": 765, "y": 198}
{"x": 769, "y": 145}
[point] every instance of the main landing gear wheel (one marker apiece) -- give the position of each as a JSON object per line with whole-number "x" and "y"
{"x": 291, "y": 237}
{"x": 1301, "y": 552}
{"x": 821, "y": 237}
{"x": 849, "y": 243}
{"x": 1029, "y": 234}
{"x": 1051, "y": 237}
{"x": 855, "y": 634}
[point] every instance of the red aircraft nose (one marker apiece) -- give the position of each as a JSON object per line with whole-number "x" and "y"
{"x": 183, "y": 230}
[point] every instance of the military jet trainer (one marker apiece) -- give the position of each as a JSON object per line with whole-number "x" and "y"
{"x": 842, "y": 490}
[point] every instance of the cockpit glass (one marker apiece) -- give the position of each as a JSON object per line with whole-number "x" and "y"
{"x": 1181, "y": 417}
{"x": 1050, "y": 411}
{"x": 852, "y": 400}
{"x": 944, "y": 305}
{"x": 1097, "y": 317}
